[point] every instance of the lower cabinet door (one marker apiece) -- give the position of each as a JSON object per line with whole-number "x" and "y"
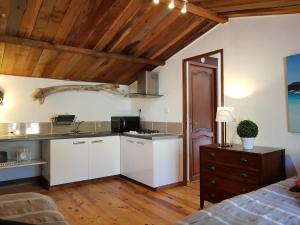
{"x": 69, "y": 161}
{"x": 137, "y": 160}
{"x": 104, "y": 156}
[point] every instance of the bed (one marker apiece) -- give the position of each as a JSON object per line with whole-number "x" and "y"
{"x": 273, "y": 204}
{"x": 30, "y": 208}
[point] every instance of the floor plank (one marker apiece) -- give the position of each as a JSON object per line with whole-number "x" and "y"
{"x": 119, "y": 201}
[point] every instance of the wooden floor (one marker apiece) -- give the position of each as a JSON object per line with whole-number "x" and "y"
{"x": 120, "y": 201}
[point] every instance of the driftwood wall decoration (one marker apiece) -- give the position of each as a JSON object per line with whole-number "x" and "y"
{"x": 41, "y": 93}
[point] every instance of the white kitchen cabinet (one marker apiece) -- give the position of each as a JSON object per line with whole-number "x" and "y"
{"x": 152, "y": 162}
{"x": 104, "y": 156}
{"x": 136, "y": 159}
{"x": 67, "y": 160}
{"x": 72, "y": 160}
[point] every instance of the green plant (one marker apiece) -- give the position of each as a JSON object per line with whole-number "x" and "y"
{"x": 247, "y": 129}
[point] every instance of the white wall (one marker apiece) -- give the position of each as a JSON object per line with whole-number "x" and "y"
{"x": 255, "y": 79}
{"x": 88, "y": 106}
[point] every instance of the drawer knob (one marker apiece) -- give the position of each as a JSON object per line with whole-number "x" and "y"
{"x": 212, "y": 195}
{"x": 244, "y": 175}
{"x": 212, "y": 168}
{"x": 244, "y": 160}
{"x": 213, "y": 182}
{"x": 212, "y": 154}
{"x": 244, "y": 190}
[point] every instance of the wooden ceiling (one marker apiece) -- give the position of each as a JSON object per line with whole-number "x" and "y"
{"x": 109, "y": 40}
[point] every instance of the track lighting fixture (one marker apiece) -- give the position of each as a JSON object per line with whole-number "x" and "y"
{"x": 184, "y": 10}
{"x": 171, "y": 4}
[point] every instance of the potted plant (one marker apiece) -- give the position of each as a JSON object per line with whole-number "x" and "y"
{"x": 248, "y": 131}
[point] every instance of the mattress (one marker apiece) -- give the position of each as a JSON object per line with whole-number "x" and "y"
{"x": 273, "y": 204}
{"x": 30, "y": 208}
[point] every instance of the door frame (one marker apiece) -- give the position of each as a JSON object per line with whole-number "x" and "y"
{"x": 185, "y": 82}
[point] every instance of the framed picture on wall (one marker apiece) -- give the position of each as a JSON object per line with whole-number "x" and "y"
{"x": 293, "y": 79}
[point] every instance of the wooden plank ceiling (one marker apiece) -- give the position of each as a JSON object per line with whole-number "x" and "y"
{"x": 108, "y": 40}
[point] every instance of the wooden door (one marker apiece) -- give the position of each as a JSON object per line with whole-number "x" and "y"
{"x": 202, "y": 110}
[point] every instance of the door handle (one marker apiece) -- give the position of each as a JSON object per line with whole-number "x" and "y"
{"x": 212, "y": 168}
{"x": 244, "y": 160}
{"x": 98, "y": 141}
{"x": 244, "y": 175}
{"x": 79, "y": 143}
{"x": 130, "y": 141}
{"x": 140, "y": 143}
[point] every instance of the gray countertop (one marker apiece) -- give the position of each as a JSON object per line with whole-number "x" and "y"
{"x": 41, "y": 137}
{"x": 154, "y": 136}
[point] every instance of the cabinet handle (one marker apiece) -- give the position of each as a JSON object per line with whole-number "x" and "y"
{"x": 212, "y": 154}
{"x": 244, "y": 175}
{"x": 140, "y": 143}
{"x": 79, "y": 143}
{"x": 213, "y": 182}
{"x": 98, "y": 141}
{"x": 212, "y": 168}
{"x": 244, "y": 190}
{"x": 130, "y": 141}
{"x": 212, "y": 195}
{"x": 244, "y": 160}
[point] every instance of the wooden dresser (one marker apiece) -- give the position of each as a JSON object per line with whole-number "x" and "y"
{"x": 227, "y": 172}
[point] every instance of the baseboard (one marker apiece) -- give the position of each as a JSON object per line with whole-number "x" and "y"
{"x": 45, "y": 184}
{"x": 136, "y": 182}
{"x": 20, "y": 181}
{"x": 181, "y": 183}
{"x": 51, "y": 188}
{"x": 177, "y": 184}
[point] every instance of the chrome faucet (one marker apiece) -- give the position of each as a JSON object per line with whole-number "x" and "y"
{"x": 76, "y": 130}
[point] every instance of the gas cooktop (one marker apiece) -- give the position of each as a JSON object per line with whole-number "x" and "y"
{"x": 143, "y": 132}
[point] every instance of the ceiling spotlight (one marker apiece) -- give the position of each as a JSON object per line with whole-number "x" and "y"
{"x": 156, "y": 1}
{"x": 171, "y": 4}
{"x": 184, "y": 10}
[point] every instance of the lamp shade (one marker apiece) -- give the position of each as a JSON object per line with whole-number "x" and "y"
{"x": 225, "y": 114}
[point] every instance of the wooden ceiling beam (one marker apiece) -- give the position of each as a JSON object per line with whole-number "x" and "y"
{"x": 90, "y": 52}
{"x": 199, "y": 11}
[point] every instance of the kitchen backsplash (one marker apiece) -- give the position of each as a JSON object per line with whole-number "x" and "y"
{"x": 90, "y": 126}
{"x": 163, "y": 127}
{"x": 49, "y": 128}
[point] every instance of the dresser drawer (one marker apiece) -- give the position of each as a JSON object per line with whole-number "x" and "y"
{"x": 230, "y": 173}
{"x": 211, "y": 181}
{"x": 242, "y": 159}
{"x": 215, "y": 195}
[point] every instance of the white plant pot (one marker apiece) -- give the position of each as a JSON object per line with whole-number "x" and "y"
{"x": 248, "y": 143}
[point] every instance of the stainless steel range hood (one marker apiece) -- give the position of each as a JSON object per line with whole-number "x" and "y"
{"x": 147, "y": 85}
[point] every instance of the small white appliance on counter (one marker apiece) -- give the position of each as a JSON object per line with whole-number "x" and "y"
{"x": 154, "y": 163}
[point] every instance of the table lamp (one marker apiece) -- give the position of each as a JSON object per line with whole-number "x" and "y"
{"x": 225, "y": 115}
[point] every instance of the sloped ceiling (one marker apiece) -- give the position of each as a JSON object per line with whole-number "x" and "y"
{"x": 106, "y": 40}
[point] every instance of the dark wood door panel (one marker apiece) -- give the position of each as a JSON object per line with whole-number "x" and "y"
{"x": 202, "y": 80}
{"x": 202, "y": 107}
